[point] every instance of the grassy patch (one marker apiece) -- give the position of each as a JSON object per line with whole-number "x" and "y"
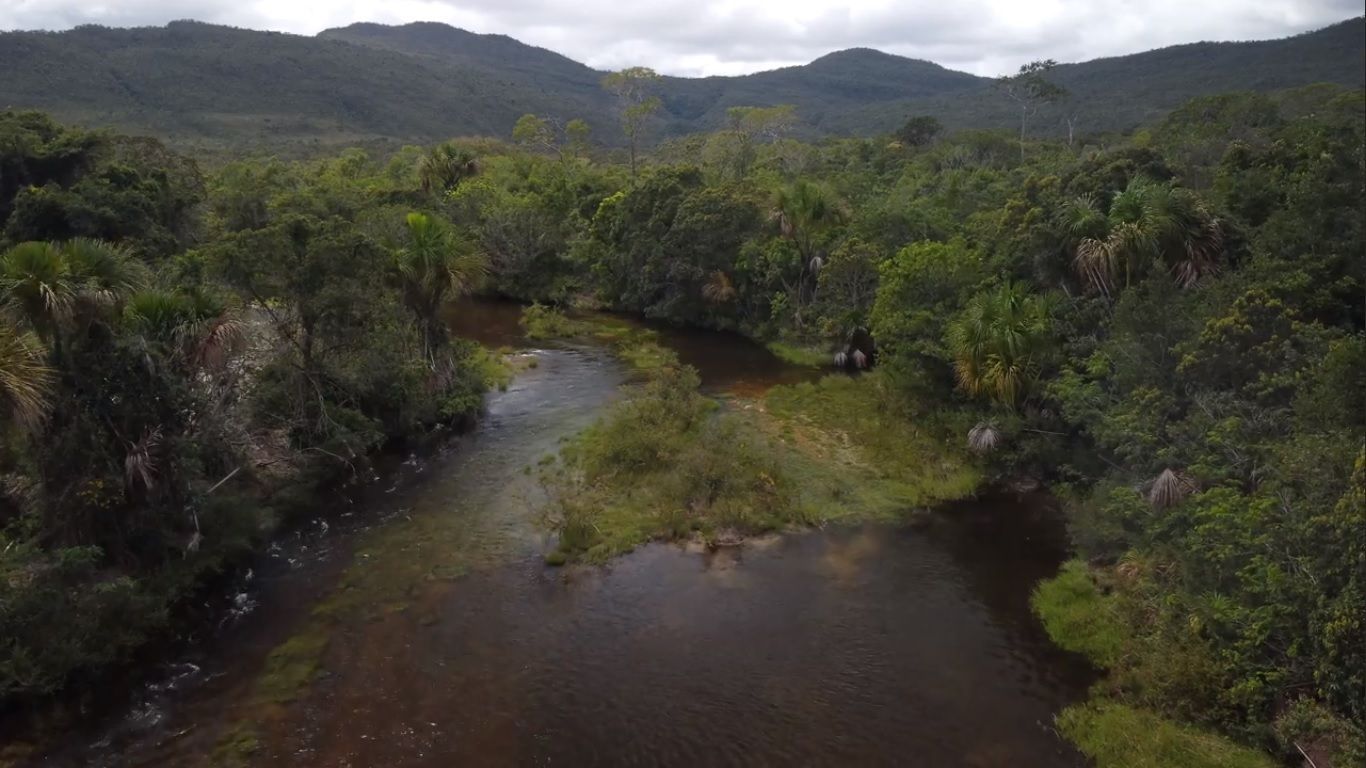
{"x": 665, "y": 464}
{"x": 800, "y": 354}
{"x": 1118, "y": 736}
{"x": 637, "y": 347}
{"x": 1078, "y": 616}
{"x": 844, "y": 425}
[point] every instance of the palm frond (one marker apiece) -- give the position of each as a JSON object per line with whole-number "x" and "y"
{"x": 1169, "y": 489}
{"x": 140, "y": 464}
{"x": 984, "y": 437}
{"x": 25, "y": 379}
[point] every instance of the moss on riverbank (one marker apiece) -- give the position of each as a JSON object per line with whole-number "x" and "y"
{"x": 1119, "y": 736}
{"x": 799, "y": 354}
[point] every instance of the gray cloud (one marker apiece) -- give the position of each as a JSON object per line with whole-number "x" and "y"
{"x": 693, "y": 37}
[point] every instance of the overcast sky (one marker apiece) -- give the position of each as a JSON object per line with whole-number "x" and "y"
{"x": 694, "y": 37}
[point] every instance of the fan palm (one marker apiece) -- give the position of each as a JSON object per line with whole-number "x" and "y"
{"x": 434, "y": 266}
{"x": 445, "y": 167}
{"x": 25, "y": 379}
{"x": 44, "y": 284}
{"x": 1147, "y": 223}
{"x": 718, "y": 289}
{"x": 190, "y": 327}
{"x": 37, "y": 285}
{"x": 804, "y": 211}
{"x": 999, "y": 342}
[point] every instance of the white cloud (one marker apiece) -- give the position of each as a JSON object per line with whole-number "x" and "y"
{"x": 694, "y": 37}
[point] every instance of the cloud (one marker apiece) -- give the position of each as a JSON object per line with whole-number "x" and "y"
{"x": 703, "y": 37}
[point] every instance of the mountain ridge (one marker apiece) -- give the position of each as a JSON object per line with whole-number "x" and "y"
{"x": 197, "y": 83}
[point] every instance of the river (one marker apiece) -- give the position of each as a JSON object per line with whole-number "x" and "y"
{"x": 860, "y": 646}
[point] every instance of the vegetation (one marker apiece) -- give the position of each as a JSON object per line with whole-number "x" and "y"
{"x": 185, "y": 365}
{"x": 1165, "y": 326}
{"x": 1114, "y": 735}
{"x": 666, "y": 463}
{"x": 218, "y": 89}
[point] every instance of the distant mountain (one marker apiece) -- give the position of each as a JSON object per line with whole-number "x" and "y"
{"x": 1121, "y": 92}
{"x": 202, "y": 84}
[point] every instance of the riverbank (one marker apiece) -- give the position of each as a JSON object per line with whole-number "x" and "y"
{"x": 273, "y": 495}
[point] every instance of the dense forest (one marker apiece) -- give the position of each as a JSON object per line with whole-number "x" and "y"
{"x": 1165, "y": 327}
{"x": 220, "y": 90}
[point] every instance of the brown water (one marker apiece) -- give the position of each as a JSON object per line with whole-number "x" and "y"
{"x": 874, "y": 645}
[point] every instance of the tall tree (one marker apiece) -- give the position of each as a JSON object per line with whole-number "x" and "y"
{"x": 805, "y": 212}
{"x": 1030, "y": 89}
{"x": 435, "y": 265}
{"x": 633, "y": 89}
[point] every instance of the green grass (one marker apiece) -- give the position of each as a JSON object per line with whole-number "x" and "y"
{"x": 800, "y": 354}
{"x": 1119, "y": 736}
{"x": 844, "y": 424}
{"x": 637, "y": 347}
{"x": 664, "y": 464}
{"x": 1078, "y": 616}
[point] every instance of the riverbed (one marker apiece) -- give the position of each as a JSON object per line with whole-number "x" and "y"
{"x": 860, "y": 645}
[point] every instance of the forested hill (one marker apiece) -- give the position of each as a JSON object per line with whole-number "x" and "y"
{"x": 202, "y": 84}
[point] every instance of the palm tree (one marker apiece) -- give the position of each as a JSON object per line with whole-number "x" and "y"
{"x": 190, "y": 328}
{"x": 999, "y": 342}
{"x": 445, "y": 167}
{"x": 46, "y": 284}
{"x": 25, "y": 379}
{"x": 1146, "y": 223}
{"x": 434, "y": 266}
{"x": 804, "y": 211}
{"x": 36, "y": 286}
{"x": 718, "y": 289}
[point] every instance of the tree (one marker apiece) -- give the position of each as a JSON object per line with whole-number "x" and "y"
{"x": 632, "y": 88}
{"x": 736, "y": 147}
{"x": 47, "y": 284}
{"x": 188, "y": 328}
{"x": 919, "y": 131}
{"x": 435, "y": 265}
{"x": 805, "y": 212}
{"x": 576, "y": 135}
{"x": 445, "y": 167}
{"x": 1147, "y": 222}
{"x": 1030, "y": 90}
{"x": 538, "y": 132}
{"x": 999, "y": 341}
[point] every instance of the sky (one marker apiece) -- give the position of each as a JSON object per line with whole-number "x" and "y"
{"x": 725, "y": 37}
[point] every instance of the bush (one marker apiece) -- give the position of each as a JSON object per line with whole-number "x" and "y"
{"x": 1078, "y": 616}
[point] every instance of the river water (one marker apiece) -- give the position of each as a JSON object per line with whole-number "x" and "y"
{"x": 859, "y": 646}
